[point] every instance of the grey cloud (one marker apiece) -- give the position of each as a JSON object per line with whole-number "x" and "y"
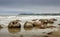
{"x": 35, "y": 6}
{"x": 29, "y": 2}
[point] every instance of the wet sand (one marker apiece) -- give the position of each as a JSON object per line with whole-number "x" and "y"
{"x": 17, "y": 32}
{"x": 55, "y": 33}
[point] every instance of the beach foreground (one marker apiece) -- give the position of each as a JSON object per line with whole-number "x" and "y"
{"x": 52, "y": 31}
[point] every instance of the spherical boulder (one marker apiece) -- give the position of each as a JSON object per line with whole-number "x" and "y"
{"x": 40, "y": 24}
{"x": 14, "y": 24}
{"x": 37, "y": 24}
{"x": 28, "y": 25}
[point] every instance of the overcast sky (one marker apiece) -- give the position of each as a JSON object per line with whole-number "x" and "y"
{"x": 14, "y": 7}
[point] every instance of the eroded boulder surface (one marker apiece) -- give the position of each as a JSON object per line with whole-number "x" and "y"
{"x": 40, "y": 24}
{"x": 14, "y": 24}
{"x": 37, "y": 24}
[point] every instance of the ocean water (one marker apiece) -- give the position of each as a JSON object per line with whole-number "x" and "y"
{"x": 21, "y": 32}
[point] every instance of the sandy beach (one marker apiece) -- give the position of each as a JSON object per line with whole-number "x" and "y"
{"x": 6, "y": 32}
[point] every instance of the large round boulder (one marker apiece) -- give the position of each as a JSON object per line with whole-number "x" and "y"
{"x": 14, "y": 24}
{"x": 39, "y": 24}
{"x": 28, "y": 25}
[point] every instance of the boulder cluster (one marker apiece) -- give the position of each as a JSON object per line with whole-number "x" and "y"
{"x": 41, "y": 23}
{"x": 34, "y": 23}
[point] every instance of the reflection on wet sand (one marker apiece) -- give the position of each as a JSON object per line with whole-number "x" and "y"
{"x": 21, "y": 36}
{"x": 14, "y": 30}
{"x": 0, "y": 28}
{"x": 27, "y": 28}
{"x": 37, "y": 36}
{"x": 50, "y": 33}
